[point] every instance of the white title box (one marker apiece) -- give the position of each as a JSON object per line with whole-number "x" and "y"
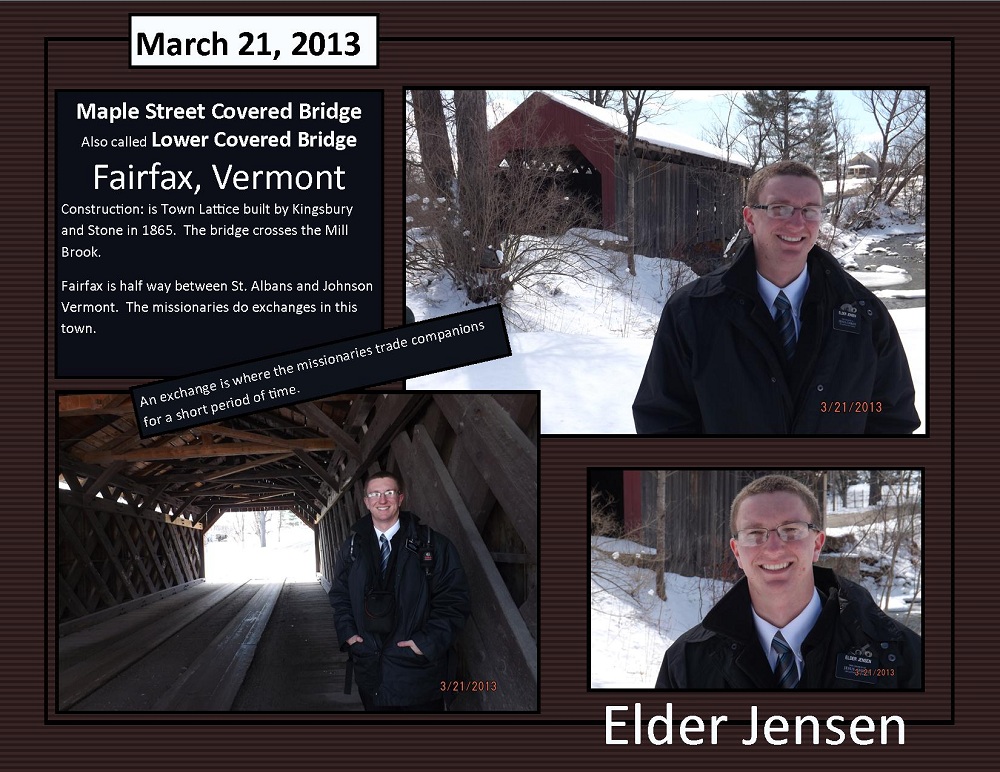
{"x": 253, "y": 41}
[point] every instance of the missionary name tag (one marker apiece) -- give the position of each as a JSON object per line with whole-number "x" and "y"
{"x": 856, "y": 667}
{"x": 846, "y": 318}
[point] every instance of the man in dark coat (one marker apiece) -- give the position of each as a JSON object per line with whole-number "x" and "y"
{"x": 789, "y": 624}
{"x": 784, "y": 341}
{"x": 400, "y": 599}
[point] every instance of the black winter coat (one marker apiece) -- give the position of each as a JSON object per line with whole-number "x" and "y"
{"x": 431, "y": 611}
{"x": 724, "y": 652}
{"x": 716, "y": 365}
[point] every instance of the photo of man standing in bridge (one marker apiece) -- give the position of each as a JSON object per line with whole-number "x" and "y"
{"x": 400, "y": 598}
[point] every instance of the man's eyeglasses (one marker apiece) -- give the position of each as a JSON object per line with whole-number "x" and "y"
{"x": 755, "y": 537}
{"x": 785, "y": 211}
{"x": 389, "y": 494}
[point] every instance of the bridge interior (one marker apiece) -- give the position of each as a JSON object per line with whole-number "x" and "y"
{"x": 139, "y": 628}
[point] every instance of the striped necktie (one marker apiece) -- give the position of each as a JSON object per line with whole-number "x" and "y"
{"x": 786, "y": 669}
{"x": 786, "y": 325}
{"x": 384, "y": 548}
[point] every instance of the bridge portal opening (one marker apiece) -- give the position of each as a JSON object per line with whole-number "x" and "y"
{"x": 272, "y": 545}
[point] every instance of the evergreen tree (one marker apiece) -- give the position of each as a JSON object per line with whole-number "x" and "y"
{"x": 819, "y": 149}
{"x": 777, "y": 123}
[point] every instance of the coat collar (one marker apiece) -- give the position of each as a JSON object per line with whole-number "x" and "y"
{"x": 731, "y": 616}
{"x": 407, "y": 523}
{"x": 741, "y": 276}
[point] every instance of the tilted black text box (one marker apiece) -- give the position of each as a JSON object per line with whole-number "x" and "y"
{"x": 390, "y": 355}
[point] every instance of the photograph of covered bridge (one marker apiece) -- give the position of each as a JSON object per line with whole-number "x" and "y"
{"x": 135, "y": 625}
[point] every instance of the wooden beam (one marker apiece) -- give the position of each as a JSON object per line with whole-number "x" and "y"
{"x": 68, "y": 536}
{"x": 104, "y": 505}
{"x": 256, "y": 505}
{"x": 172, "y": 453}
{"x": 150, "y": 502}
{"x": 511, "y": 557}
{"x": 361, "y": 406}
{"x": 392, "y": 413}
{"x": 111, "y": 551}
{"x": 507, "y": 644}
{"x": 244, "y": 467}
{"x": 506, "y": 459}
{"x": 141, "y": 560}
{"x": 95, "y": 404}
{"x": 523, "y": 408}
{"x": 95, "y": 487}
{"x": 189, "y": 569}
{"x": 277, "y": 473}
{"x": 153, "y": 554}
{"x": 326, "y": 424}
{"x": 307, "y": 488}
{"x": 238, "y": 434}
{"x": 475, "y": 491}
{"x": 73, "y": 469}
{"x": 316, "y": 467}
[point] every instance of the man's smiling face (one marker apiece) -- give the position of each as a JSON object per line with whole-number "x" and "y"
{"x": 781, "y": 246}
{"x": 384, "y": 508}
{"x": 779, "y": 573}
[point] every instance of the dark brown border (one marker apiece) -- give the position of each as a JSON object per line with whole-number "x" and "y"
{"x": 949, "y": 48}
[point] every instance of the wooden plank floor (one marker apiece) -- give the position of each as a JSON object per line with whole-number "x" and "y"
{"x": 293, "y": 665}
{"x": 298, "y": 665}
{"x": 96, "y": 655}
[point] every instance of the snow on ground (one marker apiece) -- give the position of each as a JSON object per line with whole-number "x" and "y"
{"x": 875, "y": 528}
{"x": 852, "y": 183}
{"x": 900, "y": 293}
{"x": 583, "y": 339}
{"x": 630, "y": 627}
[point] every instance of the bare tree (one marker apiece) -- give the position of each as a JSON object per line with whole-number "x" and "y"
{"x": 901, "y": 150}
{"x": 843, "y": 138}
{"x": 874, "y": 487}
{"x": 474, "y": 187}
{"x": 240, "y": 528}
{"x": 258, "y": 525}
{"x": 842, "y": 480}
{"x": 729, "y": 130}
{"x": 886, "y": 542}
{"x": 638, "y": 106}
{"x": 632, "y": 107}
{"x": 595, "y": 96}
{"x": 509, "y": 224}
{"x": 460, "y": 222}
{"x": 432, "y": 137}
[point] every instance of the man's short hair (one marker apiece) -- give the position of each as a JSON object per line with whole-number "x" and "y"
{"x": 777, "y": 483}
{"x": 781, "y": 168}
{"x": 386, "y": 476}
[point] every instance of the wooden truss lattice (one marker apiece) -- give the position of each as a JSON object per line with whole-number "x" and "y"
{"x": 107, "y": 555}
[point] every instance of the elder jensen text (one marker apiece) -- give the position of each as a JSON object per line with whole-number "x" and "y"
{"x": 775, "y": 730}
